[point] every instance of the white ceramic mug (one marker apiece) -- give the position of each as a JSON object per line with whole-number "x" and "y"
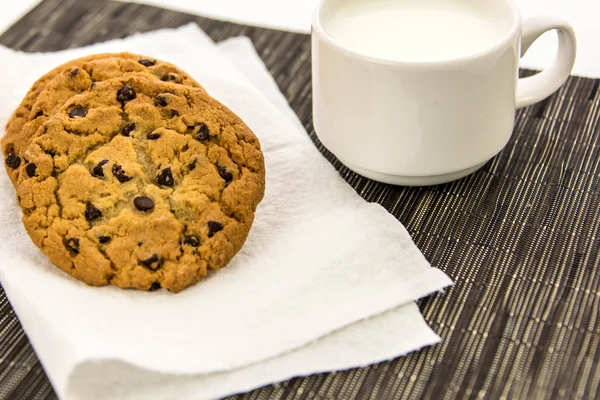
{"x": 409, "y": 122}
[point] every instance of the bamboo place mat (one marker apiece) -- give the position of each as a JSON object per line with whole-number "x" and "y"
{"x": 520, "y": 238}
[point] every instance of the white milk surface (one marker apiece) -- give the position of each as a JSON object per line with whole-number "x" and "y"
{"x": 415, "y": 30}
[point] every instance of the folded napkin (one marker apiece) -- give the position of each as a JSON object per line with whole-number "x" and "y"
{"x": 318, "y": 259}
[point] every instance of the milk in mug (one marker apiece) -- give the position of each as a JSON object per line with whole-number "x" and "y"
{"x": 416, "y": 30}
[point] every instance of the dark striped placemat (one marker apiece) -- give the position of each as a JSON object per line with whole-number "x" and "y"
{"x": 520, "y": 238}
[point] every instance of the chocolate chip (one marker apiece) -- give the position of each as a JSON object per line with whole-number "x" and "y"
{"x": 165, "y": 178}
{"x": 39, "y": 114}
{"x": 228, "y": 176}
{"x": 51, "y": 153}
{"x": 73, "y": 245}
{"x": 153, "y": 262}
{"x": 171, "y": 77}
{"x": 193, "y": 164}
{"x": 143, "y": 203}
{"x": 140, "y": 244}
{"x": 128, "y": 129}
{"x": 78, "y": 112}
{"x": 214, "y": 227}
{"x": 161, "y": 100}
{"x": 153, "y": 136}
{"x": 98, "y": 170}
{"x": 74, "y": 72}
{"x": 104, "y": 239}
{"x": 91, "y": 212}
{"x": 174, "y": 113}
{"x": 146, "y": 62}
{"x": 30, "y": 169}
{"x": 13, "y": 161}
{"x": 191, "y": 240}
{"x": 201, "y": 132}
{"x": 118, "y": 172}
{"x": 155, "y": 286}
{"x": 125, "y": 94}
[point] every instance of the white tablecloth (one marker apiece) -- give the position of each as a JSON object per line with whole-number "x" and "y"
{"x": 295, "y": 15}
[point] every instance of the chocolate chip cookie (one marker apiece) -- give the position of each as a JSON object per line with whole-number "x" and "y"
{"x": 52, "y": 90}
{"x": 140, "y": 183}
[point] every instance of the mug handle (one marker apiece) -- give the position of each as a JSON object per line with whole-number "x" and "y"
{"x": 536, "y": 88}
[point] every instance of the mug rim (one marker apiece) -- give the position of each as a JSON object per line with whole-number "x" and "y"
{"x": 325, "y": 36}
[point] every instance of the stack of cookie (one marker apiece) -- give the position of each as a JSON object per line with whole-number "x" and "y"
{"x": 128, "y": 173}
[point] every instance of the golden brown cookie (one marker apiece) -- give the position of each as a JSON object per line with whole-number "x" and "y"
{"x": 51, "y": 91}
{"x": 141, "y": 184}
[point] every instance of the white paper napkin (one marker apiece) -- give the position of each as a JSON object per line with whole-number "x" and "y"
{"x": 318, "y": 258}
